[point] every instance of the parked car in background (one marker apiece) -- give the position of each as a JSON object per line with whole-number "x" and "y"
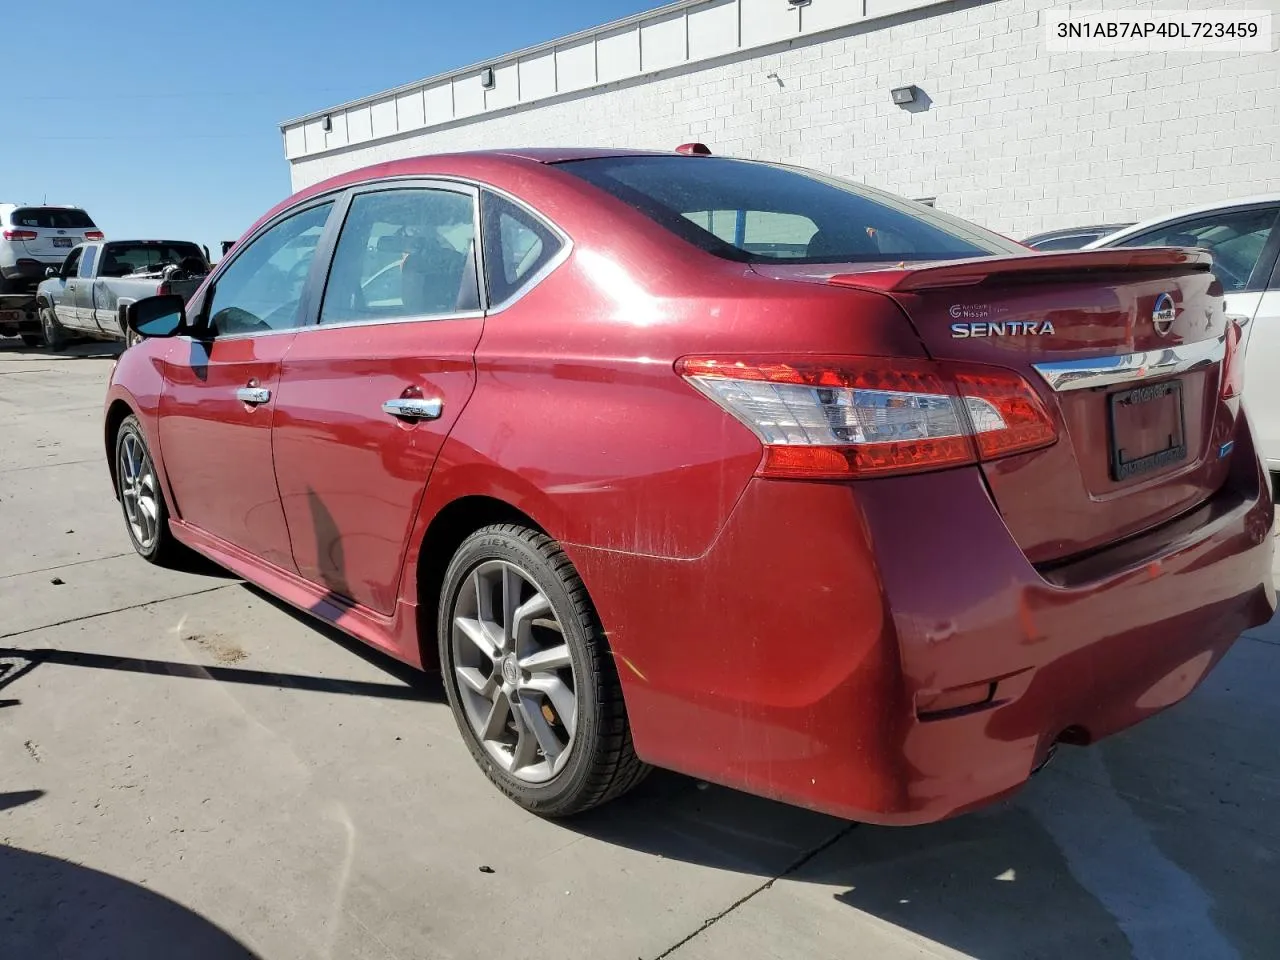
{"x": 1244, "y": 238}
{"x": 86, "y": 295}
{"x": 32, "y": 239}
{"x": 1071, "y": 238}
{"x": 869, "y": 524}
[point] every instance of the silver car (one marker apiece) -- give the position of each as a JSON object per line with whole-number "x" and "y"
{"x": 1244, "y": 237}
{"x": 32, "y": 239}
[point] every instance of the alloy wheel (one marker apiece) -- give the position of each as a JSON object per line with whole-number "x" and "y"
{"x": 139, "y": 491}
{"x": 516, "y": 677}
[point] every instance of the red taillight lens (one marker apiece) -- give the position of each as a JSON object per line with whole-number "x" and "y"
{"x": 1233, "y": 362}
{"x": 94, "y": 235}
{"x": 1006, "y": 414}
{"x": 164, "y": 289}
{"x": 842, "y": 417}
{"x": 20, "y": 235}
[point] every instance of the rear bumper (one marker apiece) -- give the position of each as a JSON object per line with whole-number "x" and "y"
{"x": 811, "y": 655}
{"x": 25, "y": 274}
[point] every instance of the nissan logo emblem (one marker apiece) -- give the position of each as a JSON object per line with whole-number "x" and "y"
{"x": 1163, "y": 314}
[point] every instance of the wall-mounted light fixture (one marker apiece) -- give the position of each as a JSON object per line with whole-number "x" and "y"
{"x": 486, "y": 78}
{"x": 793, "y": 4}
{"x": 905, "y": 95}
{"x": 326, "y": 123}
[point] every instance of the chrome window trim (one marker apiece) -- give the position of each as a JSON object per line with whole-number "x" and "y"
{"x": 1065, "y": 375}
{"x": 535, "y": 278}
{"x": 548, "y": 268}
{"x": 380, "y": 322}
{"x": 383, "y": 321}
{"x": 336, "y": 196}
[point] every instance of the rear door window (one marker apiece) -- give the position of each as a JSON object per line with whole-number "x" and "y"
{"x": 1235, "y": 238}
{"x": 51, "y": 218}
{"x": 759, "y": 212}
{"x": 87, "y": 260}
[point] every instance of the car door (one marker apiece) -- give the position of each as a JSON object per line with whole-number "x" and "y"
{"x": 220, "y": 386}
{"x": 82, "y": 292}
{"x": 1244, "y": 242}
{"x": 370, "y": 391}
{"x": 64, "y": 296}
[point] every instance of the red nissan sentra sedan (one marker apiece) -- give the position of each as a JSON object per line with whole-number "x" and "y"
{"x": 715, "y": 465}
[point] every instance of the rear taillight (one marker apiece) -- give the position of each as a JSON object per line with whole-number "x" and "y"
{"x": 94, "y": 235}
{"x": 20, "y": 235}
{"x": 1233, "y": 362}
{"x": 164, "y": 289}
{"x": 840, "y": 417}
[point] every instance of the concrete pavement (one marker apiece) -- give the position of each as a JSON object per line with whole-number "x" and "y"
{"x": 190, "y": 769}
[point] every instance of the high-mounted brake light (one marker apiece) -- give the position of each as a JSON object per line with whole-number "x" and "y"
{"x": 20, "y": 235}
{"x": 842, "y": 417}
{"x": 94, "y": 235}
{"x": 694, "y": 149}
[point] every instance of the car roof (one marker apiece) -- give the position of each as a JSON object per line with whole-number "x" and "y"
{"x": 1219, "y": 205}
{"x": 466, "y": 164}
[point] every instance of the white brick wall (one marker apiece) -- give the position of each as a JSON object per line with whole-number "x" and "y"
{"x": 1015, "y": 138}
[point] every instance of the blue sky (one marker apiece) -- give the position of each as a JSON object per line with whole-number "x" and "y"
{"x": 161, "y": 119}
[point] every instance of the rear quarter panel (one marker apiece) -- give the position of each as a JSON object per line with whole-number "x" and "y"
{"x": 579, "y": 418}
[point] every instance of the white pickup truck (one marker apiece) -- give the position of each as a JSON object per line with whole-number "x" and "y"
{"x": 86, "y": 296}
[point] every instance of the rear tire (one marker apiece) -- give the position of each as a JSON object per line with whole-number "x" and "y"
{"x": 530, "y": 677}
{"x": 55, "y": 334}
{"x": 146, "y": 516}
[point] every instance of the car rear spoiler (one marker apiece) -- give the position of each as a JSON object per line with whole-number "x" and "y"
{"x": 963, "y": 273}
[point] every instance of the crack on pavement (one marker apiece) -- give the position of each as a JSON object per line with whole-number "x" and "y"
{"x": 107, "y": 613}
{"x": 793, "y": 868}
{"x": 63, "y": 566}
{"x": 46, "y": 466}
{"x": 31, "y": 749}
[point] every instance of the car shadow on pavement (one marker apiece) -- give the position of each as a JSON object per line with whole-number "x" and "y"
{"x": 52, "y": 908}
{"x": 33, "y": 658}
{"x": 425, "y": 682}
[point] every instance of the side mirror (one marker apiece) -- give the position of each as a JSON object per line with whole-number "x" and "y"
{"x": 162, "y": 316}
{"x": 53, "y": 271}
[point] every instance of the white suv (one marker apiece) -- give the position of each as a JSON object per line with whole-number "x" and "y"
{"x": 32, "y": 239}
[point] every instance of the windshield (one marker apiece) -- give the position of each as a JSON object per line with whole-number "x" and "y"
{"x": 122, "y": 259}
{"x": 51, "y": 218}
{"x": 759, "y": 212}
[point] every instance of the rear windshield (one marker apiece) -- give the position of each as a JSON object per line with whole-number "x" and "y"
{"x": 51, "y": 218}
{"x": 759, "y": 212}
{"x": 122, "y": 259}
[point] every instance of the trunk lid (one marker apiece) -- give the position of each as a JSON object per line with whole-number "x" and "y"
{"x": 1124, "y": 348}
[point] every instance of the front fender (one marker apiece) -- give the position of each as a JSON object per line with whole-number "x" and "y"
{"x": 136, "y": 387}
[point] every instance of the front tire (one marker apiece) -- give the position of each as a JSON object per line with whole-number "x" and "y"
{"x": 55, "y": 334}
{"x": 529, "y": 675}
{"x": 146, "y": 517}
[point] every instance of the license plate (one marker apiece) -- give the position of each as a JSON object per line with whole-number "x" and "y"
{"x": 1147, "y": 429}
{"x": 62, "y": 241}
{"x": 10, "y": 316}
